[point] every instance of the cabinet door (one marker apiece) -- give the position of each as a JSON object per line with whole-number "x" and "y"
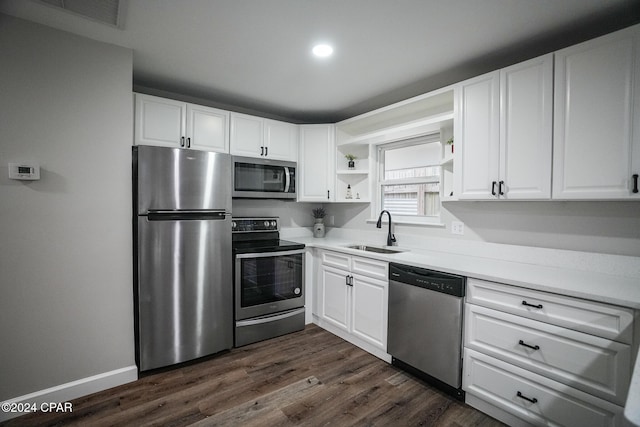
{"x": 593, "y": 118}
{"x": 369, "y": 310}
{"x": 207, "y": 129}
{"x": 281, "y": 140}
{"x": 316, "y": 164}
{"x": 477, "y": 137}
{"x": 246, "y": 135}
{"x": 159, "y": 121}
{"x": 526, "y": 114}
{"x": 334, "y": 298}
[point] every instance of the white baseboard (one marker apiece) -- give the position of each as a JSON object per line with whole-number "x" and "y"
{"x": 72, "y": 390}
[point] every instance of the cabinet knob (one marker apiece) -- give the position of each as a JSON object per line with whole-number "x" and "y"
{"x": 266, "y": 151}
{"x": 635, "y": 183}
{"x": 493, "y": 188}
{"x": 500, "y": 185}
{"x": 188, "y": 142}
{"x": 182, "y": 141}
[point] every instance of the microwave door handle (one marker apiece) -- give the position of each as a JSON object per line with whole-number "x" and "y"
{"x": 287, "y": 179}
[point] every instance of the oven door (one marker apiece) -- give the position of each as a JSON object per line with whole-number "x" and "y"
{"x": 268, "y": 282}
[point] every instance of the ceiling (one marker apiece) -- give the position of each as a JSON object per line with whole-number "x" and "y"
{"x": 255, "y": 55}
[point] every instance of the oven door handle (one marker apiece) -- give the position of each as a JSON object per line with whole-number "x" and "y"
{"x": 287, "y": 179}
{"x": 270, "y": 254}
{"x": 271, "y": 318}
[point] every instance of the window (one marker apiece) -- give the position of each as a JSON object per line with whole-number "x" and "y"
{"x": 409, "y": 178}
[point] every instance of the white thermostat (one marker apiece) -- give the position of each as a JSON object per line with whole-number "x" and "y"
{"x": 24, "y": 171}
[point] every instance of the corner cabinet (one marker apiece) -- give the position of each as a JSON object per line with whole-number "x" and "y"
{"x": 503, "y": 133}
{"x": 316, "y": 164}
{"x": 170, "y": 123}
{"x": 535, "y": 358}
{"x": 352, "y": 299}
{"x": 597, "y": 118}
{"x": 253, "y": 136}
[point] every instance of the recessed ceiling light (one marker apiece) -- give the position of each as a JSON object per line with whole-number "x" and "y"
{"x": 322, "y": 50}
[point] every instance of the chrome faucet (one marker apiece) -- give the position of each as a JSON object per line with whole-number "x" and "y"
{"x": 391, "y": 238}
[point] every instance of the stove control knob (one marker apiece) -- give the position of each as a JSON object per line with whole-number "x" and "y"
{"x": 273, "y": 224}
{"x": 266, "y": 224}
{"x": 234, "y": 225}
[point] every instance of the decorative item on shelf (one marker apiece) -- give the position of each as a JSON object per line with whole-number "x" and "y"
{"x": 351, "y": 158}
{"x": 348, "y": 195}
{"x": 318, "y": 227}
{"x": 450, "y": 142}
{"x": 357, "y": 195}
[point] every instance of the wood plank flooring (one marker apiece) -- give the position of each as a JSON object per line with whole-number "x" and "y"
{"x": 309, "y": 378}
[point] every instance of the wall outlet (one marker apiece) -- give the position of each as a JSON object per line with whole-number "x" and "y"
{"x": 457, "y": 227}
{"x": 332, "y": 219}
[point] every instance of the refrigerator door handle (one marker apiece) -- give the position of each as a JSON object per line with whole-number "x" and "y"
{"x": 287, "y": 179}
{"x": 172, "y": 215}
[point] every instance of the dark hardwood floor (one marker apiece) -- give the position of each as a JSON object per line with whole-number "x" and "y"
{"x": 309, "y": 378}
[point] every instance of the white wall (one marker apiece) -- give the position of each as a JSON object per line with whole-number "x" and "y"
{"x": 291, "y": 214}
{"x": 66, "y": 308}
{"x": 601, "y": 226}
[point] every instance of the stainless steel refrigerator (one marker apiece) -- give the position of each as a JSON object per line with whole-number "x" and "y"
{"x": 182, "y": 255}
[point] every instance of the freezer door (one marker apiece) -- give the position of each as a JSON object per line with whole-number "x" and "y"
{"x": 183, "y": 289}
{"x": 178, "y": 179}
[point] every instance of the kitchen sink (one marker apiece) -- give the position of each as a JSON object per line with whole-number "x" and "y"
{"x": 376, "y": 249}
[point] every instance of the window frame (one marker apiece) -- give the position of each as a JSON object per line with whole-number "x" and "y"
{"x": 380, "y": 182}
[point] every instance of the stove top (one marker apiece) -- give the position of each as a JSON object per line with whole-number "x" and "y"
{"x": 261, "y": 246}
{"x": 259, "y": 235}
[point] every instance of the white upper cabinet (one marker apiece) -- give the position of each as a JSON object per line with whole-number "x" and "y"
{"x": 258, "y": 137}
{"x": 169, "y": 123}
{"x": 159, "y": 121}
{"x": 281, "y": 140}
{"x": 503, "y": 133}
{"x": 476, "y": 136}
{"x": 526, "y": 129}
{"x": 207, "y": 128}
{"x": 595, "y": 153}
{"x": 246, "y": 135}
{"x": 317, "y": 163}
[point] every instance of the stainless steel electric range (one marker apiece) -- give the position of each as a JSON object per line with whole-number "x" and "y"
{"x": 268, "y": 281}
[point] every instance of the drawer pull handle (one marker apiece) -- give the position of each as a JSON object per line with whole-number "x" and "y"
{"x": 533, "y": 347}
{"x": 531, "y": 305}
{"x": 522, "y": 396}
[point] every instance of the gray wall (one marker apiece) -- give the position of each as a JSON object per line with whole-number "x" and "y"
{"x": 66, "y": 308}
{"x": 601, "y": 227}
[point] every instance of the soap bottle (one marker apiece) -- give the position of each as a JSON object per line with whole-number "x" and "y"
{"x": 348, "y": 196}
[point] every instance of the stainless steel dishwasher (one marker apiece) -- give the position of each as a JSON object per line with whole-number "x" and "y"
{"x": 425, "y": 325}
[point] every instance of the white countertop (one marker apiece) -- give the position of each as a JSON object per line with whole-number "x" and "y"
{"x": 610, "y": 288}
{"x": 610, "y": 284}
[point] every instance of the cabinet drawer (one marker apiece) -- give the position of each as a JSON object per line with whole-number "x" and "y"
{"x": 370, "y": 267}
{"x": 336, "y": 259}
{"x": 596, "y": 365}
{"x": 595, "y": 318}
{"x": 551, "y": 403}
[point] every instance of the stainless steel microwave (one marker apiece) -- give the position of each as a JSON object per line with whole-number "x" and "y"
{"x": 263, "y": 178}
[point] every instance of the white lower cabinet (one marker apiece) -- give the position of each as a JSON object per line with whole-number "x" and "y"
{"x": 545, "y": 359}
{"x": 352, "y": 299}
{"x": 533, "y": 398}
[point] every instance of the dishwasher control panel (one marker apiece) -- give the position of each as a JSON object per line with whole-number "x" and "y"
{"x": 446, "y": 283}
